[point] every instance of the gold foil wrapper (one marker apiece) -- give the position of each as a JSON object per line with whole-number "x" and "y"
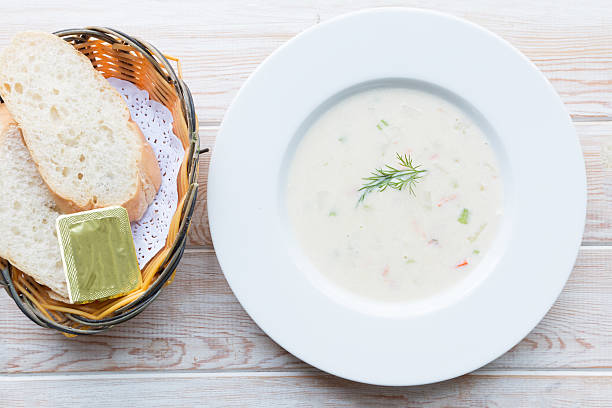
{"x": 98, "y": 254}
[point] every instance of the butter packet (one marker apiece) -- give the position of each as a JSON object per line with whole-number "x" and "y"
{"x": 98, "y": 254}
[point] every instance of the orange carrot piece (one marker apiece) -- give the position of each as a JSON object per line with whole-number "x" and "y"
{"x": 446, "y": 200}
{"x": 386, "y": 270}
{"x": 464, "y": 263}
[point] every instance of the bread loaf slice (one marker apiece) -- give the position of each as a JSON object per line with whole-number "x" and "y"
{"x": 77, "y": 127}
{"x": 27, "y": 213}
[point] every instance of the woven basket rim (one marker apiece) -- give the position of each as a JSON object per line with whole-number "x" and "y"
{"x": 127, "y": 312}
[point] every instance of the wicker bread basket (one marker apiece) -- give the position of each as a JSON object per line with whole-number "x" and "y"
{"x": 116, "y": 54}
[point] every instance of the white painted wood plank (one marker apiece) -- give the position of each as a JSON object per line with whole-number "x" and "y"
{"x": 222, "y": 42}
{"x": 596, "y": 140}
{"x": 306, "y": 390}
{"x": 197, "y": 324}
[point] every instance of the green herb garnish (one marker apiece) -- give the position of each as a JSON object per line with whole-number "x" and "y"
{"x": 332, "y": 214}
{"x": 476, "y": 252}
{"x": 381, "y": 124}
{"x": 392, "y": 177}
{"x": 463, "y": 218}
{"x": 409, "y": 260}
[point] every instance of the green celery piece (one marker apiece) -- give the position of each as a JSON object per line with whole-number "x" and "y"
{"x": 463, "y": 218}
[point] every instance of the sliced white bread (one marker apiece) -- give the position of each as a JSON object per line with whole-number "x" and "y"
{"x": 27, "y": 213}
{"x": 77, "y": 127}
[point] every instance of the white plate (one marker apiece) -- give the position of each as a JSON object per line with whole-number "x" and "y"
{"x": 514, "y": 286}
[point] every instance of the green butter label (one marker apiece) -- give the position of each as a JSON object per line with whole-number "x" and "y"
{"x": 99, "y": 254}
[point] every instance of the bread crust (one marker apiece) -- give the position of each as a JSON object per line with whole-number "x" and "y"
{"x": 6, "y": 120}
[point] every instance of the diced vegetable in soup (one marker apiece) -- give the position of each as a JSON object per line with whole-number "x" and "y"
{"x": 394, "y": 194}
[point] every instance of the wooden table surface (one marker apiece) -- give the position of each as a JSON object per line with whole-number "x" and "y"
{"x": 195, "y": 345}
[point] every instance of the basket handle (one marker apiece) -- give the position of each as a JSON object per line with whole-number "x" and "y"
{"x": 180, "y": 75}
{"x": 178, "y": 64}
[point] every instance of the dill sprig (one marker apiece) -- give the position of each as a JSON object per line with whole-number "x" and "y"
{"x": 390, "y": 177}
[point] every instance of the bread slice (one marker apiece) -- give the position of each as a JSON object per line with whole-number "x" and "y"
{"x": 77, "y": 127}
{"x": 27, "y": 213}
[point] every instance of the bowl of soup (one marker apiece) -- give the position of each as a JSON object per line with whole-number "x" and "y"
{"x": 397, "y": 196}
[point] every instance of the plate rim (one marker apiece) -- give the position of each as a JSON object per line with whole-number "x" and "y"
{"x": 213, "y": 174}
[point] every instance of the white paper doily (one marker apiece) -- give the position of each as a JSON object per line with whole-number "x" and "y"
{"x": 155, "y": 121}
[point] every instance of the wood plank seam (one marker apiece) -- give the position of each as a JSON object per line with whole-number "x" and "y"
{"x": 169, "y": 374}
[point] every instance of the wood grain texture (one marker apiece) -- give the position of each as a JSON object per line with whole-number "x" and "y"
{"x": 220, "y": 43}
{"x": 199, "y": 232}
{"x": 197, "y": 324}
{"x": 596, "y": 141}
{"x": 196, "y": 346}
{"x": 302, "y": 390}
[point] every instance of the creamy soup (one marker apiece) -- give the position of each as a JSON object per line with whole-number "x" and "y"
{"x": 397, "y": 244}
